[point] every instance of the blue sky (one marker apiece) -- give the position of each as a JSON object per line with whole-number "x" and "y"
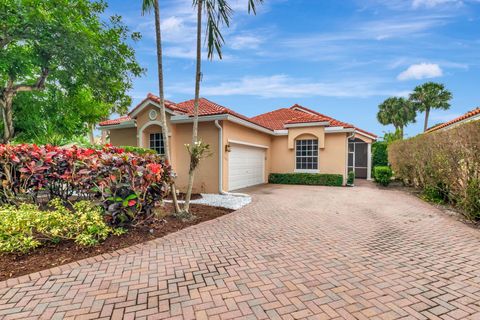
{"x": 341, "y": 58}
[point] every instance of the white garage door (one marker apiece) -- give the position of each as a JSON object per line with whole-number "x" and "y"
{"x": 246, "y": 166}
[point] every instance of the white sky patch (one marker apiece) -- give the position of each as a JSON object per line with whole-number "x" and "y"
{"x": 421, "y": 71}
{"x": 283, "y": 86}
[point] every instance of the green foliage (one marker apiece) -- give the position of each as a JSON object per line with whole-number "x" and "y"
{"x": 379, "y": 154}
{"x": 382, "y": 175}
{"x": 197, "y": 151}
{"x": 306, "y": 179}
{"x": 26, "y": 227}
{"x": 137, "y": 150}
{"x": 65, "y": 48}
{"x": 396, "y": 111}
{"x": 443, "y": 165}
{"x": 351, "y": 178}
{"x": 389, "y": 137}
{"x": 436, "y": 194}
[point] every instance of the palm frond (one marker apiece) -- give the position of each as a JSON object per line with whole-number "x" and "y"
{"x": 147, "y": 6}
{"x": 252, "y": 5}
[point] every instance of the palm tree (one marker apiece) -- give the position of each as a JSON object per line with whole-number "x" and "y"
{"x": 218, "y": 13}
{"x": 147, "y": 6}
{"x": 396, "y": 111}
{"x": 429, "y": 96}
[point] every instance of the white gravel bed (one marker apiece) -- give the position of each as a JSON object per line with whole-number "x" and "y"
{"x": 222, "y": 200}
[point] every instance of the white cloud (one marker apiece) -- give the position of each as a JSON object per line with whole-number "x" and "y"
{"x": 245, "y": 42}
{"x": 433, "y": 3}
{"x": 421, "y": 71}
{"x": 283, "y": 86}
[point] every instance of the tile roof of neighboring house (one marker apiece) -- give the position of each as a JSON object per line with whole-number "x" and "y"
{"x": 273, "y": 120}
{"x": 467, "y": 115}
{"x": 115, "y": 121}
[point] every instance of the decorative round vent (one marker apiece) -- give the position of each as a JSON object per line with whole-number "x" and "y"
{"x": 152, "y": 114}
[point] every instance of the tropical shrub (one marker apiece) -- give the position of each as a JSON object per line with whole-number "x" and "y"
{"x": 351, "y": 178}
{"x": 306, "y": 179}
{"x": 379, "y": 154}
{"x": 137, "y": 150}
{"x": 25, "y": 227}
{"x": 447, "y": 162}
{"x": 125, "y": 183}
{"x": 382, "y": 175}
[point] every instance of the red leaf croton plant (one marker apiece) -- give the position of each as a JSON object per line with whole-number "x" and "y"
{"x": 125, "y": 184}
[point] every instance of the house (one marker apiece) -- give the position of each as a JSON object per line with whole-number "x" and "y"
{"x": 467, "y": 117}
{"x": 246, "y": 150}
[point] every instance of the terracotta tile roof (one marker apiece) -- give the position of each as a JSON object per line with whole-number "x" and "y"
{"x": 333, "y": 122}
{"x": 467, "y": 115}
{"x": 209, "y": 108}
{"x": 115, "y": 121}
{"x": 273, "y": 120}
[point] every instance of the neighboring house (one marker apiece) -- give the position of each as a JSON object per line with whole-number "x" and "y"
{"x": 467, "y": 117}
{"x": 246, "y": 150}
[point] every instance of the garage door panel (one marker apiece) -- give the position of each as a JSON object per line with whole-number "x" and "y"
{"x": 246, "y": 166}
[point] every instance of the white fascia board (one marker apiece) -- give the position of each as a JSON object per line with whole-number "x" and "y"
{"x": 280, "y": 132}
{"x": 146, "y": 103}
{"x": 123, "y": 125}
{"x": 453, "y": 125}
{"x": 248, "y": 144}
{"x": 187, "y": 119}
{"x": 338, "y": 129}
{"x": 307, "y": 124}
{"x": 365, "y": 135}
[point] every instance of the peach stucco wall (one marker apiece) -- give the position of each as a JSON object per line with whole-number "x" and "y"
{"x": 123, "y": 137}
{"x": 334, "y": 156}
{"x": 206, "y": 176}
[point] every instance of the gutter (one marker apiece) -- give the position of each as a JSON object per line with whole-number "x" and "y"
{"x": 220, "y": 164}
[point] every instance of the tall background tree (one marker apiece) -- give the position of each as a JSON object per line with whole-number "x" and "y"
{"x": 429, "y": 96}
{"x": 218, "y": 13}
{"x": 398, "y": 112}
{"x": 59, "y": 56}
{"x": 147, "y": 6}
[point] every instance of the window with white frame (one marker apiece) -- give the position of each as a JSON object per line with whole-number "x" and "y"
{"x": 306, "y": 154}
{"x": 156, "y": 142}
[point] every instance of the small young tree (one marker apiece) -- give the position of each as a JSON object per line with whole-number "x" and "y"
{"x": 218, "y": 13}
{"x": 429, "y": 96}
{"x": 396, "y": 111}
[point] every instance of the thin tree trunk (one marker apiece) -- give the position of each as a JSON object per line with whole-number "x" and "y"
{"x": 427, "y": 113}
{"x": 163, "y": 115}
{"x": 91, "y": 136}
{"x": 198, "y": 76}
{"x": 103, "y": 137}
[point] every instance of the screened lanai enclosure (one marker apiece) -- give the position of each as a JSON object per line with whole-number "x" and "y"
{"x": 358, "y": 157}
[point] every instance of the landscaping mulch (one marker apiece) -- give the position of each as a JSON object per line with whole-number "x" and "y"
{"x": 52, "y": 255}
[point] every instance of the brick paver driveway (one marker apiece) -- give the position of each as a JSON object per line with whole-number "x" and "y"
{"x": 295, "y": 252}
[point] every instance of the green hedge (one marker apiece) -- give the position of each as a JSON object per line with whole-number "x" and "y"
{"x": 306, "y": 179}
{"x": 137, "y": 150}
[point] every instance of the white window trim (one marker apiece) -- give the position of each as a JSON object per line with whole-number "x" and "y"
{"x": 296, "y": 170}
{"x": 307, "y": 171}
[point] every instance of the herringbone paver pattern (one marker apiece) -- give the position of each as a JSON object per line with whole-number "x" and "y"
{"x": 295, "y": 252}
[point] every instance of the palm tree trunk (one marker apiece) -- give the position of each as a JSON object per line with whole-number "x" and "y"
{"x": 162, "y": 97}
{"x": 427, "y": 113}
{"x": 198, "y": 76}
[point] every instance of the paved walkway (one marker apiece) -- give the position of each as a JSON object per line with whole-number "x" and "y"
{"x": 294, "y": 252}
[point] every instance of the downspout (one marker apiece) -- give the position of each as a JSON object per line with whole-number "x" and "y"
{"x": 220, "y": 164}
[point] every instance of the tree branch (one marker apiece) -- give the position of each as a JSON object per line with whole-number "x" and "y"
{"x": 40, "y": 84}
